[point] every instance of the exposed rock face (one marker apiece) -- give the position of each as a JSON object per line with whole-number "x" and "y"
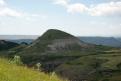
{"x": 64, "y": 44}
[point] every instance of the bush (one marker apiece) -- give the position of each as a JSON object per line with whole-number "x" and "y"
{"x": 38, "y": 65}
{"x": 16, "y": 60}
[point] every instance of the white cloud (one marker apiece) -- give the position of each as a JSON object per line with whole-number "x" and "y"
{"x": 111, "y": 8}
{"x": 6, "y": 11}
{"x": 61, "y": 2}
{"x": 2, "y": 2}
{"x": 77, "y": 8}
{"x": 71, "y": 8}
{"x": 9, "y": 12}
{"x": 102, "y": 9}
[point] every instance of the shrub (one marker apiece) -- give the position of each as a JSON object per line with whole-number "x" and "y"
{"x": 16, "y": 60}
{"x": 38, "y": 65}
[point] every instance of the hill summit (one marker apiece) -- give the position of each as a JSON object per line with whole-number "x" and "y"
{"x": 54, "y": 41}
{"x": 52, "y": 34}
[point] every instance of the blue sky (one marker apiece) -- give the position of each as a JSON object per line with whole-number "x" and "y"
{"x": 78, "y": 17}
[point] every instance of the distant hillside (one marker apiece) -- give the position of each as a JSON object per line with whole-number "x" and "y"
{"x": 11, "y": 72}
{"x": 107, "y": 41}
{"x": 19, "y": 41}
{"x": 119, "y": 39}
{"x": 5, "y": 45}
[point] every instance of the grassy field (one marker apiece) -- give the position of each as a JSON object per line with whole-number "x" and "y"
{"x": 11, "y": 72}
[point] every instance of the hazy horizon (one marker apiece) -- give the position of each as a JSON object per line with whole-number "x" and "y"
{"x": 19, "y": 37}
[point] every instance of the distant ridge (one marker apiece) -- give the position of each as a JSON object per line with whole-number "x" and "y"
{"x": 107, "y": 41}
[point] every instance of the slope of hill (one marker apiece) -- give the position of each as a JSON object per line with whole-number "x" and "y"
{"x": 5, "y": 45}
{"x": 107, "y": 41}
{"x": 11, "y": 72}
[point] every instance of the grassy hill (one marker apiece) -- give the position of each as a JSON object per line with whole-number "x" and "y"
{"x": 11, "y": 72}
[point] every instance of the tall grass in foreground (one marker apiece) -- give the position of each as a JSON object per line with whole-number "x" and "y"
{"x": 12, "y": 72}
